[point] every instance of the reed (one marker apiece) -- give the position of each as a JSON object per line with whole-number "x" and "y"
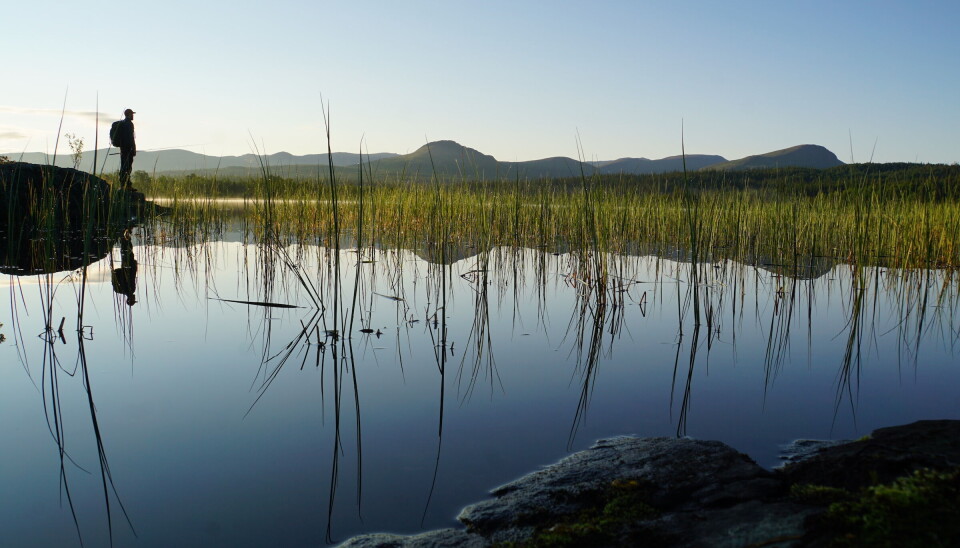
{"x": 773, "y": 225}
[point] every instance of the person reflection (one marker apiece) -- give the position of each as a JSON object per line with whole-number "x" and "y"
{"x": 125, "y": 278}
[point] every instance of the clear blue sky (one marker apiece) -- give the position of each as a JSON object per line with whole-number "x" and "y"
{"x": 515, "y": 79}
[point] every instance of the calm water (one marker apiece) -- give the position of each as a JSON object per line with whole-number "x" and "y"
{"x": 222, "y": 424}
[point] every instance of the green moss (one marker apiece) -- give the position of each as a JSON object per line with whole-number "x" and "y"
{"x": 625, "y": 502}
{"x": 922, "y": 509}
{"x": 613, "y": 514}
{"x": 820, "y": 495}
{"x": 570, "y": 534}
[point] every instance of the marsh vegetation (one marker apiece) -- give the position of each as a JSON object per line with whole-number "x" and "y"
{"x": 355, "y": 344}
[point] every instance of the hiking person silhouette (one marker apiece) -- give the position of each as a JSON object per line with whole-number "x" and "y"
{"x": 128, "y": 147}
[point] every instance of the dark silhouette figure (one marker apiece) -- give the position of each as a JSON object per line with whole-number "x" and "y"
{"x": 125, "y": 278}
{"x": 128, "y": 147}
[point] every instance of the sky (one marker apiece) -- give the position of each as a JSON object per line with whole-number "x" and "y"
{"x": 519, "y": 80}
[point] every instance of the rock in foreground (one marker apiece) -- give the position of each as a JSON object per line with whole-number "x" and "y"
{"x": 683, "y": 492}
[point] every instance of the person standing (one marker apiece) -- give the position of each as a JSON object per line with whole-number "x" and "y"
{"x": 128, "y": 147}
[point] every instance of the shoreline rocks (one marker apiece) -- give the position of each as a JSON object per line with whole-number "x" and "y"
{"x": 684, "y": 492}
{"x": 59, "y": 219}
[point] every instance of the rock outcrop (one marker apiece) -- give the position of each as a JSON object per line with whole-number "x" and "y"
{"x": 683, "y": 492}
{"x": 55, "y": 219}
{"x": 881, "y": 457}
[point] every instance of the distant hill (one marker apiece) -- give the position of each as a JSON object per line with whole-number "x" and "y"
{"x": 447, "y": 159}
{"x": 664, "y": 165}
{"x": 813, "y": 156}
{"x": 177, "y": 160}
{"x": 451, "y": 159}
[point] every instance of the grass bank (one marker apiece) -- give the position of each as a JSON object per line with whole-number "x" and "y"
{"x": 900, "y": 219}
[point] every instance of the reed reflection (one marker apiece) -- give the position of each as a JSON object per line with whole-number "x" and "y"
{"x": 60, "y": 379}
{"x": 324, "y": 340}
{"x": 479, "y": 343}
{"x": 437, "y": 281}
{"x": 717, "y": 301}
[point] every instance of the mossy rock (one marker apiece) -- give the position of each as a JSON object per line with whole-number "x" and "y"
{"x": 921, "y": 509}
{"x": 882, "y": 457}
{"x": 616, "y": 514}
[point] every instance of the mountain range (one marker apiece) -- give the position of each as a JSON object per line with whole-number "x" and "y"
{"x": 443, "y": 158}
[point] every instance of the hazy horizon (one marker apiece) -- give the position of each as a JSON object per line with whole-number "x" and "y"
{"x": 866, "y": 80}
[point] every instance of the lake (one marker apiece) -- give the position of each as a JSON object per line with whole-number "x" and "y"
{"x": 233, "y": 393}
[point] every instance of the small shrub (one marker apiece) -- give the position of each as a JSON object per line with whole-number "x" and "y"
{"x": 76, "y": 148}
{"x": 922, "y": 509}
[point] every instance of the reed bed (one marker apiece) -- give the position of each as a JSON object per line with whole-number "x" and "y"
{"x": 766, "y": 226}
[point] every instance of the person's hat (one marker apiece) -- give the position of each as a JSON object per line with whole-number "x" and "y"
{"x": 129, "y": 111}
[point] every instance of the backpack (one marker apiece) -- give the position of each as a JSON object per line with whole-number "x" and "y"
{"x": 115, "y": 133}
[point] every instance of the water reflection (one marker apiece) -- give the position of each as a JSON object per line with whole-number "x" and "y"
{"x": 377, "y": 377}
{"x": 65, "y": 377}
{"x": 50, "y": 252}
{"x": 124, "y": 278}
{"x": 597, "y": 320}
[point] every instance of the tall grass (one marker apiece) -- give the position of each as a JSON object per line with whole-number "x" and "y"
{"x": 770, "y": 226}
